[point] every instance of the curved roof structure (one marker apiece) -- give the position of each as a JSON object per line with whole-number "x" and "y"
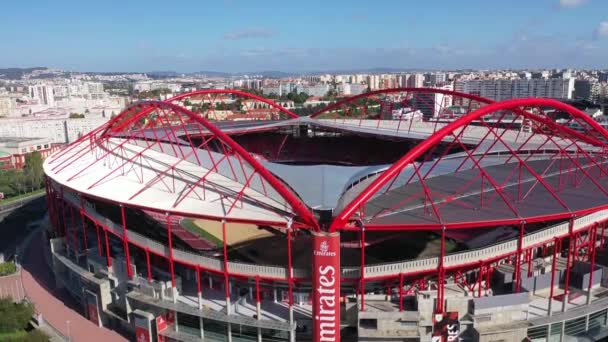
{"x": 167, "y": 170}
{"x": 562, "y": 174}
{"x": 478, "y": 163}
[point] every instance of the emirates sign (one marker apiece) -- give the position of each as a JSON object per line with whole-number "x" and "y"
{"x": 326, "y": 286}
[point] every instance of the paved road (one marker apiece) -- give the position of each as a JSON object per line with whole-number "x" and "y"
{"x": 55, "y": 306}
{"x": 10, "y": 287}
{"x": 12, "y": 224}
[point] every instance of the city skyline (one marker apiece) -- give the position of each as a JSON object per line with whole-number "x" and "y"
{"x": 235, "y": 36}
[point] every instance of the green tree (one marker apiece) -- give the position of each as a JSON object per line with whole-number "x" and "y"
{"x": 33, "y": 169}
{"x": 36, "y": 336}
{"x": 14, "y": 316}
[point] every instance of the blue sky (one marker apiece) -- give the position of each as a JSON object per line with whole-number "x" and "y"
{"x": 245, "y": 35}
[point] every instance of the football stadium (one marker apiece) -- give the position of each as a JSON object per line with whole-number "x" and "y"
{"x": 407, "y": 214}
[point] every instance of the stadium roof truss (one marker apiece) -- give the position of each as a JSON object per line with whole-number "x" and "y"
{"x": 542, "y": 171}
{"x": 147, "y": 157}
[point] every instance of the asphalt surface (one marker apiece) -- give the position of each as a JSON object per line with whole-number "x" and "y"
{"x": 56, "y": 306}
{"x": 12, "y": 224}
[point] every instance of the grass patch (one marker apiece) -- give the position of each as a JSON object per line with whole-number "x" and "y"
{"x": 190, "y": 226}
{"x": 23, "y": 196}
{"x": 7, "y": 268}
{"x": 13, "y": 336}
{"x": 24, "y": 336}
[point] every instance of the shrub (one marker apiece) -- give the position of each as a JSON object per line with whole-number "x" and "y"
{"x": 7, "y": 268}
{"x": 36, "y": 336}
{"x": 14, "y": 316}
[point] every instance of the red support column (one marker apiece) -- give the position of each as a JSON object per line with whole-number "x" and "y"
{"x": 520, "y": 242}
{"x": 553, "y": 264}
{"x": 84, "y": 226}
{"x": 64, "y": 219}
{"x": 148, "y": 266}
{"x": 289, "y": 268}
{"x": 602, "y": 236}
{"x": 125, "y": 242}
{"x": 226, "y": 281}
{"x": 489, "y": 270}
{"x": 530, "y": 256}
{"x": 257, "y": 290}
{"x": 400, "y": 292}
{"x": 362, "y": 285}
{"x": 73, "y": 220}
{"x": 441, "y": 280}
{"x": 480, "y": 278}
{"x": 108, "y": 257}
{"x": 171, "y": 269}
{"x": 593, "y": 238}
{"x": 98, "y": 239}
{"x": 571, "y": 242}
{"x": 198, "y": 279}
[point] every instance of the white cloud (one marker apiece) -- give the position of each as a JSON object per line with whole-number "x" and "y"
{"x": 602, "y": 30}
{"x": 571, "y": 3}
{"x": 247, "y": 33}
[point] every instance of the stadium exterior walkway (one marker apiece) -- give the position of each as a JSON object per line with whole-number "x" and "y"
{"x": 39, "y": 287}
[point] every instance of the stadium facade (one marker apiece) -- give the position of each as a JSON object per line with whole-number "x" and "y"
{"x": 395, "y": 215}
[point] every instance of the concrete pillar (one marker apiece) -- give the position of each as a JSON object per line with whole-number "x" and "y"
{"x": 200, "y": 319}
{"x": 229, "y": 326}
{"x": 259, "y": 313}
{"x": 292, "y": 332}
{"x": 176, "y": 322}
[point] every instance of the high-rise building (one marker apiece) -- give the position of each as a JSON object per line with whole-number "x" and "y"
{"x": 432, "y": 104}
{"x": 6, "y": 105}
{"x": 373, "y": 81}
{"x": 437, "y": 78}
{"x": 582, "y": 90}
{"x": 507, "y": 89}
{"x": 415, "y": 81}
{"x": 43, "y": 94}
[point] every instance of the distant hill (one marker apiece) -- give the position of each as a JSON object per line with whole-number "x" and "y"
{"x": 268, "y": 73}
{"x": 17, "y": 73}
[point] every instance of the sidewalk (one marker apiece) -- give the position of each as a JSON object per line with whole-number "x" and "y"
{"x": 57, "y": 308}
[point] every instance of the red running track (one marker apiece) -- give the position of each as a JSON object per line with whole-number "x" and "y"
{"x": 193, "y": 240}
{"x": 55, "y": 306}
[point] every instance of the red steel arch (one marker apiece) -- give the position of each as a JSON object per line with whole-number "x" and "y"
{"x": 533, "y": 112}
{"x": 234, "y": 92}
{"x": 212, "y": 93}
{"x": 400, "y": 90}
{"x": 154, "y": 123}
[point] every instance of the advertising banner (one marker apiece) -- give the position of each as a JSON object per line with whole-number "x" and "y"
{"x": 91, "y": 306}
{"x": 326, "y": 286}
{"x": 446, "y": 327}
{"x": 142, "y": 326}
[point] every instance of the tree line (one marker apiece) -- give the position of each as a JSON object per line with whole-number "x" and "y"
{"x": 15, "y": 182}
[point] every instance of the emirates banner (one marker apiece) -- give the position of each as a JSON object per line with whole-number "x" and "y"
{"x": 446, "y": 327}
{"x": 91, "y": 307}
{"x": 161, "y": 325}
{"x": 326, "y": 286}
{"x": 142, "y": 335}
{"x": 142, "y": 327}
